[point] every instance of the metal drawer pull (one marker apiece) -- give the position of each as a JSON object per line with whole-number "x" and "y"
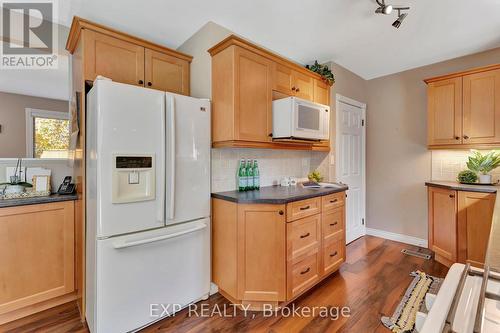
{"x": 333, "y": 224}
{"x": 306, "y": 271}
{"x": 304, "y": 208}
{"x": 333, "y": 201}
{"x": 333, "y": 254}
{"x": 304, "y": 236}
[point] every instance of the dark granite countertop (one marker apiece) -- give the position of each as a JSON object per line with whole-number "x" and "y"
{"x": 36, "y": 200}
{"x": 463, "y": 187}
{"x": 277, "y": 194}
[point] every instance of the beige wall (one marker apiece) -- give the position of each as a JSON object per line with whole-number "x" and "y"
{"x": 398, "y": 162}
{"x": 13, "y": 120}
{"x": 201, "y": 66}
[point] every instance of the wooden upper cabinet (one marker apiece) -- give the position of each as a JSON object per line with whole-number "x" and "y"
{"x": 128, "y": 59}
{"x": 481, "y": 107}
{"x": 444, "y": 100}
{"x": 321, "y": 92}
{"x": 113, "y": 58}
{"x": 304, "y": 85}
{"x": 253, "y": 96}
{"x": 283, "y": 79}
{"x": 245, "y": 80}
{"x": 475, "y": 212}
{"x": 464, "y": 109}
{"x": 167, "y": 73}
{"x": 443, "y": 224}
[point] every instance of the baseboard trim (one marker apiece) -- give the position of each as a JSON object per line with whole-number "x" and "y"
{"x": 397, "y": 237}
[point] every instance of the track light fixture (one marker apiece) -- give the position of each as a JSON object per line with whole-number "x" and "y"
{"x": 387, "y": 9}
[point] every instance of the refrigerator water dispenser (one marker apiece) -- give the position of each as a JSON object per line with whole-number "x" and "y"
{"x": 133, "y": 178}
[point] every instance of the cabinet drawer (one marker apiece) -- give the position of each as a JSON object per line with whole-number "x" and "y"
{"x": 303, "y": 274}
{"x": 303, "y": 236}
{"x": 333, "y": 255}
{"x": 333, "y": 201}
{"x": 333, "y": 224}
{"x": 299, "y": 209}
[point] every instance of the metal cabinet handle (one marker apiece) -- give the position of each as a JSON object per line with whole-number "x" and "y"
{"x": 281, "y": 212}
{"x": 270, "y": 135}
{"x": 457, "y": 138}
{"x": 306, "y": 235}
{"x": 466, "y": 137}
{"x": 333, "y": 224}
{"x": 141, "y": 82}
{"x": 305, "y": 208}
{"x": 452, "y": 195}
{"x": 306, "y": 271}
{"x": 297, "y": 90}
{"x": 150, "y": 84}
{"x": 333, "y": 254}
{"x": 333, "y": 201}
{"x": 293, "y": 88}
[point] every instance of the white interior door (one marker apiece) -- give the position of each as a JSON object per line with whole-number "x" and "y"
{"x": 350, "y": 162}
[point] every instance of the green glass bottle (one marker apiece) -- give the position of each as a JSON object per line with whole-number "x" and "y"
{"x": 250, "y": 186}
{"x": 256, "y": 176}
{"x": 242, "y": 176}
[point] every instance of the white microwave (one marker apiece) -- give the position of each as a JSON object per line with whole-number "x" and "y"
{"x": 295, "y": 118}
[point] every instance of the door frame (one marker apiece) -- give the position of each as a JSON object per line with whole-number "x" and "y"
{"x": 346, "y": 100}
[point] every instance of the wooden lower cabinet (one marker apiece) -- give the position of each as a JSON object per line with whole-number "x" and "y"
{"x": 37, "y": 258}
{"x": 459, "y": 225}
{"x": 475, "y": 213}
{"x": 262, "y": 254}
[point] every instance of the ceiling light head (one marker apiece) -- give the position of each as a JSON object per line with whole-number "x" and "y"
{"x": 383, "y": 8}
{"x": 400, "y": 20}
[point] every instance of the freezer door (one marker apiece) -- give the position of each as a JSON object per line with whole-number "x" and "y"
{"x": 125, "y": 158}
{"x": 188, "y": 158}
{"x": 137, "y": 274}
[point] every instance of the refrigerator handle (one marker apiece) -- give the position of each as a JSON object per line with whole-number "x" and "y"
{"x": 161, "y": 210}
{"x": 172, "y": 159}
{"x": 125, "y": 244}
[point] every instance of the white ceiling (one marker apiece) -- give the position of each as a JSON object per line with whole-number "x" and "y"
{"x": 345, "y": 31}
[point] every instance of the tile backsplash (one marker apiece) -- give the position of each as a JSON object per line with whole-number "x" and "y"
{"x": 446, "y": 164}
{"x": 273, "y": 165}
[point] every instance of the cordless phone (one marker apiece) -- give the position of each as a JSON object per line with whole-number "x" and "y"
{"x": 66, "y": 187}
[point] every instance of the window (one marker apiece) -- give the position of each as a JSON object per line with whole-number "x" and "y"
{"x": 47, "y": 134}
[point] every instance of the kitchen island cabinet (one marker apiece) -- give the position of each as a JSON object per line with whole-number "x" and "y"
{"x": 271, "y": 246}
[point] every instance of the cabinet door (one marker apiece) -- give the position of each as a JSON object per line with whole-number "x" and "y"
{"x": 166, "y": 73}
{"x": 36, "y": 254}
{"x": 282, "y": 79}
{"x": 113, "y": 58}
{"x": 304, "y": 86}
{"x": 253, "y": 96}
{"x": 481, "y": 107}
{"x": 475, "y": 213}
{"x": 443, "y": 223}
{"x": 444, "y": 112}
{"x": 261, "y": 252}
{"x": 321, "y": 92}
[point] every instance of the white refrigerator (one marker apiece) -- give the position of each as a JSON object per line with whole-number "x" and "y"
{"x": 148, "y": 205}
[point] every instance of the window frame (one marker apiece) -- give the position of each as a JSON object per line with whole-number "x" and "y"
{"x": 31, "y": 114}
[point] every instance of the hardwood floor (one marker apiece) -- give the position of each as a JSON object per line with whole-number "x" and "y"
{"x": 370, "y": 283}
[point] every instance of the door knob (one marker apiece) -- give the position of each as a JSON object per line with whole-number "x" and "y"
{"x": 141, "y": 82}
{"x": 452, "y": 195}
{"x": 281, "y": 212}
{"x": 149, "y": 84}
{"x": 457, "y": 138}
{"x": 270, "y": 135}
{"x": 293, "y": 88}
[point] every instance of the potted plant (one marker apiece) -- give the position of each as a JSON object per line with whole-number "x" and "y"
{"x": 483, "y": 164}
